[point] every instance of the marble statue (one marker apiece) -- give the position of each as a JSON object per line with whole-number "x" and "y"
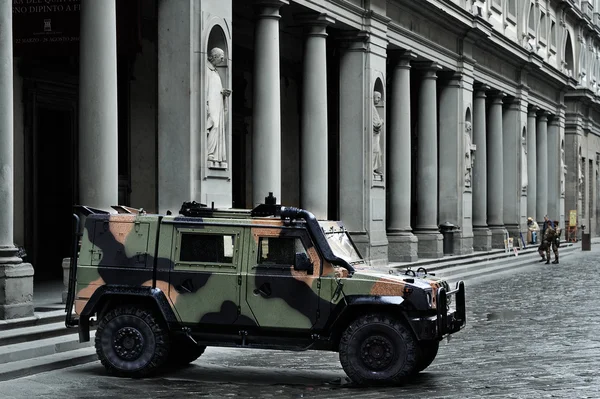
{"x": 377, "y": 128}
{"x": 563, "y": 171}
{"x": 215, "y": 111}
{"x": 580, "y": 180}
{"x": 469, "y": 154}
{"x": 524, "y": 179}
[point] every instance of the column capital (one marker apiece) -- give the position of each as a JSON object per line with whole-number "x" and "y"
{"x": 269, "y": 8}
{"x": 314, "y": 20}
{"x": 354, "y": 41}
{"x": 428, "y": 68}
{"x": 497, "y": 96}
{"x": 480, "y": 89}
{"x": 555, "y": 121}
{"x": 401, "y": 59}
{"x": 532, "y": 110}
{"x": 543, "y": 115}
{"x": 512, "y": 102}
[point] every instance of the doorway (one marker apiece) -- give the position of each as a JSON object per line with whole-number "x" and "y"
{"x": 51, "y": 176}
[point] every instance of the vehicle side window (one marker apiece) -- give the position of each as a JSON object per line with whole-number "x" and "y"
{"x": 207, "y": 248}
{"x": 279, "y": 251}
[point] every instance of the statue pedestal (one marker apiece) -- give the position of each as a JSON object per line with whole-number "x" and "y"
{"x": 16, "y": 286}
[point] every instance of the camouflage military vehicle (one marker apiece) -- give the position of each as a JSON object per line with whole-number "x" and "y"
{"x": 162, "y": 288}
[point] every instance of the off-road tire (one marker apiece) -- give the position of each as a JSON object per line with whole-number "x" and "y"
{"x": 427, "y": 351}
{"x": 131, "y": 342}
{"x": 183, "y": 351}
{"x": 378, "y": 349}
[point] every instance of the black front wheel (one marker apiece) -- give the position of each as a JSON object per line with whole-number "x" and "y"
{"x": 426, "y": 354}
{"x": 131, "y": 342}
{"x": 184, "y": 351}
{"x": 378, "y": 349}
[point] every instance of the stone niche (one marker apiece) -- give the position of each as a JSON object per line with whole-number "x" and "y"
{"x": 215, "y": 157}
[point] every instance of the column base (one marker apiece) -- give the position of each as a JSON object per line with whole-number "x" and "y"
{"x": 16, "y": 288}
{"x": 482, "y": 239}
{"x": 463, "y": 245}
{"x": 430, "y": 244}
{"x": 403, "y": 247}
{"x": 498, "y": 236}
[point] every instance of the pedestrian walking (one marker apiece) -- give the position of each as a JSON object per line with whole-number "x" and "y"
{"x": 547, "y": 240}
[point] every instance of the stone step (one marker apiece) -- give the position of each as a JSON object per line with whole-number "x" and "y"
{"x": 477, "y": 257}
{"x": 32, "y": 333}
{"x": 478, "y": 271}
{"x": 25, "y": 367}
{"x": 42, "y": 347}
{"x": 39, "y": 318}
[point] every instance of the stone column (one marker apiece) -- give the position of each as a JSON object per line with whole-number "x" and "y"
{"x": 16, "y": 277}
{"x": 482, "y": 237}
{"x": 313, "y": 188}
{"x": 554, "y": 169}
{"x": 495, "y": 169}
{"x": 98, "y": 127}
{"x": 430, "y": 241}
{"x": 451, "y": 155}
{"x": 511, "y": 148}
{"x": 542, "y": 167}
{"x": 532, "y": 162}
{"x": 266, "y": 130}
{"x": 402, "y": 242}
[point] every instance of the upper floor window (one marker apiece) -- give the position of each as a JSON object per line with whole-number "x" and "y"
{"x": 553, "y": 34}
{"x": 207, "y": 248}
{"x": 531, "y": 24}
{"x": 543, "y": 32}
{"x": 512, "y": 7}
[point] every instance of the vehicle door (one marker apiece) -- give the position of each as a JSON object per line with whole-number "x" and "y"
{"x": 206, "y": 273}
{"x": 282, "y": 280}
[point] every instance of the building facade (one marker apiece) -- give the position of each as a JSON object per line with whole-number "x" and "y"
{"x": 394, "y": 116}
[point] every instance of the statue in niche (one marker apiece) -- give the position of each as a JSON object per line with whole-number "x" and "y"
{"x": 469, "y": 154}
{"x": 563, "y": 171}
{"x": 580, "y": 180}
{"x": 216, "y": 107}
{"x": 377, "y": 128}
{"x": 524, "y": 179}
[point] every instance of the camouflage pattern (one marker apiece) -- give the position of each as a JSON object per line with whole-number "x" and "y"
{"x": 140, "y": 250}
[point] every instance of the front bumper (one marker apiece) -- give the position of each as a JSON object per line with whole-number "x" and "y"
{"x": 446, "y": 321}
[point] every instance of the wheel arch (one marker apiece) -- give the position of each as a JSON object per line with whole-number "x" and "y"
{"x": 357, "y": 306}
{"x": 107, "y": 297}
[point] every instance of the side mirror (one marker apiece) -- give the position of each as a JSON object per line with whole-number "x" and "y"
{"x": 302, "y": 263}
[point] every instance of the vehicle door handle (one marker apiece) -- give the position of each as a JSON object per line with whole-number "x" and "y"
{"x": 264, "y": 290}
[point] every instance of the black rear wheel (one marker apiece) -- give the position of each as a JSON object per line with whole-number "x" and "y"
{"x": 378, "y": 349}
{"x": 131, "y": 342}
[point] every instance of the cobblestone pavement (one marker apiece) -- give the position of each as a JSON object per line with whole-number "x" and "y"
{"x": 529, "y": 335}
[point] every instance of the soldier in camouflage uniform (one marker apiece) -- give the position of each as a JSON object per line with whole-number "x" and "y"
{"x": 555, "y": 243}
{"x": 547, "y": 242}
